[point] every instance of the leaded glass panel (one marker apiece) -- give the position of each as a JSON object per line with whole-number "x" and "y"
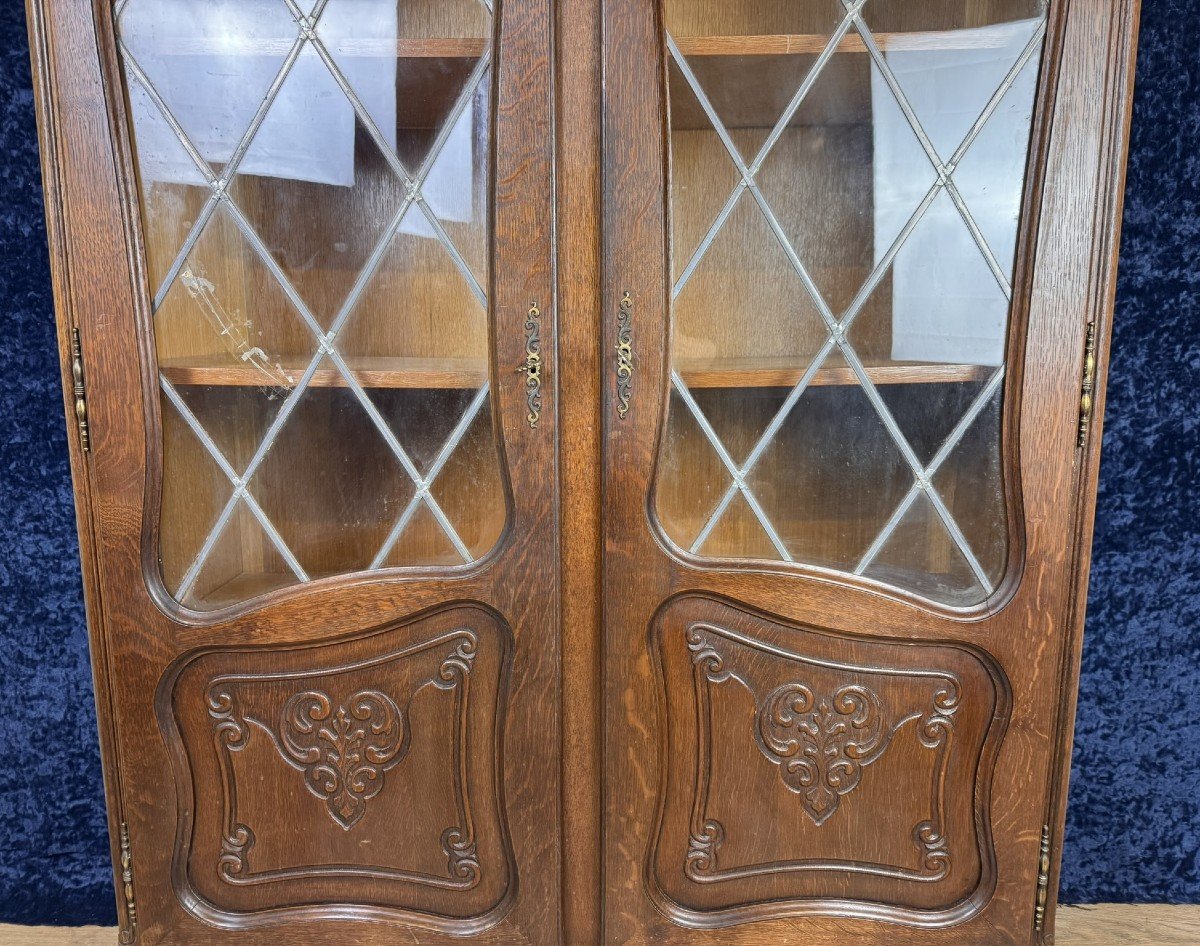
{"x": 314, "y": 180}
{"x": 847, "y": 178}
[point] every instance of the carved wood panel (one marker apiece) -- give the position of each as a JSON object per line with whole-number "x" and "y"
{"x": 352, "y": 778}
{"x": 811, "y": 773}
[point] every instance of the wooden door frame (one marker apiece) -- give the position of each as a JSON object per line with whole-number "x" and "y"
{"x": 99, "y": 290}
{"x": 577, "y": 173}
{"x": 1073, "y": 283}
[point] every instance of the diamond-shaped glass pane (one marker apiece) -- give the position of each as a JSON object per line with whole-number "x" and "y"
{"x": 194, "y": 487}
{"x": 407, "y": 79}
{"x": 320, "y": 217}
{"x": 991, "y": 173}
{"x": 421, "y": 542}
{"x": 948, "y": 82}
{"x": 229, "y": 339}
{"x": 745, "y": 88}
{"x": 298, "y": 494}
{"x": 692, "y": 478}
{"x": 830, "y": 477}
{"x": 174, "y": 187}
{"x": 744, "y": 299}
{"x": 703, "y": 175}
{"x": 315, "y": 181}
{"x": 843, "y": 283}
{"x": 966, "y": 482}
{"x": 445, "y": 323}
{"x": 469, "y": 488}
{"x": 932, "y": 333}
{"x": 920, "y": 556}
{"x": 241, "y": 562}
{"x": 738, "y": 533}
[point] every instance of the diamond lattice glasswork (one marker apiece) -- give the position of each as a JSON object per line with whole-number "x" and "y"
{"x": 846, "y": 188}
{"x": 314, "y": 182}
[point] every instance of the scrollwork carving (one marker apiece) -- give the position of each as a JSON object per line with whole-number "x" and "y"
{"x": 457, "y": 665}
{"x": 821, "y": 738}
{"x": 230, "y": 728}
{"x": 702, "y": 847}
{"x": 462, "y": 859}
{"x": 343, "y": 749}
{"x": 235, "y": 852}
{"x": 822, "y": 743}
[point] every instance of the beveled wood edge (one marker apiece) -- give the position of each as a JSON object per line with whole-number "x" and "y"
{"x": 1119, "y": 101}
{"x": 55, "y": 199}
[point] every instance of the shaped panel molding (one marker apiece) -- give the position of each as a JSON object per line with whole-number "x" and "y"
{"x": 812, "y": 773}
{"x": 357, "y": 778}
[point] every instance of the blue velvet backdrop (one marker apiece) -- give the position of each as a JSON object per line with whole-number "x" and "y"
{"x": 1134, "y": 824}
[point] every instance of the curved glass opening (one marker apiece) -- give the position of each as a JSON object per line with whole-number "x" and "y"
{"x": 315, "y": 179}
{"x": 846, "y": 193}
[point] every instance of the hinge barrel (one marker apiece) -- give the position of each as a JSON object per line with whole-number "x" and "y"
{"x": 129, "y": 930}
{"x": 1087, "y": 396}
{"x": 80, "y": 391}
{"x": 1043, "y": 884}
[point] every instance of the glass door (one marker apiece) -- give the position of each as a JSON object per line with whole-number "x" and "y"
{"x": 842, "y": 408}
{"x": 311, "y": 267}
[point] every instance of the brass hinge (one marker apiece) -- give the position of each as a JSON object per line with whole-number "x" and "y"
{"x": 1043, "y": 884}
{"x": 81, "y": 414}
{"x": 129, "y": 930}
{"x": 1087, "y": 397}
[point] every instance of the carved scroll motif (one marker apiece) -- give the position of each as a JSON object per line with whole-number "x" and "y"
{"x": 821, "y": 738}
{"x": 343, "y": 749}
{"x": 822, "y": 743}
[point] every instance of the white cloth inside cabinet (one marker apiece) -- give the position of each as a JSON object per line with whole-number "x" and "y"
{"x": 205, "y": 57}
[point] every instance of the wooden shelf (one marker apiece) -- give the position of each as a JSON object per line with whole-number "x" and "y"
{"x": 396, "y": 372}
{"x": 786, "y": 372}
{"x": 460, "y": 373}
{"x": 814, "y": 44}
